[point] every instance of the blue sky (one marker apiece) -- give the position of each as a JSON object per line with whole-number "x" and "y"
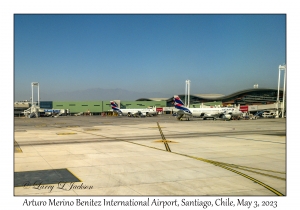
{"x": 147, "y": 53}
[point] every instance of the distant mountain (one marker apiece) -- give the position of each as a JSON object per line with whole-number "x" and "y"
{"x": 99, "y": 94}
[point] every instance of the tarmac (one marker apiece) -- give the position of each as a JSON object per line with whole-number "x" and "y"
{"x": 151, "y": 156}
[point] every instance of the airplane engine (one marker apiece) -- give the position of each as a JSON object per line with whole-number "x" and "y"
{"x": 226, "y": 116}
{"x": 141, "y": 114}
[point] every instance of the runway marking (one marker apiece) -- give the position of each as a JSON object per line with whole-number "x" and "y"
{"x": 269, "y": 175}
{"x": 168, "y": 141}
{"x": 276, "y": 134}
{"x": 66, "y": 133}
{"x": 226, "y": 166}
{"x": 246, "y": 168}
{"x": 17, "y": 147}
{"x": 163, "y": 137}
{"x": 42, "y": 125}
{"x": 92, "y": 129}
{"x": 253, "y": 179}
{"x": 252, "y": 139}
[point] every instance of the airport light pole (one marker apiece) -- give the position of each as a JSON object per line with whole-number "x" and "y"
{"x": 283, "y": 96}
{"x": 281, "y": 68}
{"x": 34, "y": 84}
{"x": 187, "y": 93}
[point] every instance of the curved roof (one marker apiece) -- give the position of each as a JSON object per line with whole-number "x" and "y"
{"x": 208, "y": 95}
{"x": 215, "y": 97}
{"x": 152, "y": 99}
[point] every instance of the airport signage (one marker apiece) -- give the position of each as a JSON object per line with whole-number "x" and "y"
{"x": 253, "y": 108}
{"x": 244, "y": 108}
{"x": 160, "y": 109}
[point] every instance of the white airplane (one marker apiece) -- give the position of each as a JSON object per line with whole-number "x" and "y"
{"x": 234, "y": 112}
{"x": 225, "y": 113}
{"x": 132, "y": 112}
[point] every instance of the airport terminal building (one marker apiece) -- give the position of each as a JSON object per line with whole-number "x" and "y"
{"x": 253, "y": 98}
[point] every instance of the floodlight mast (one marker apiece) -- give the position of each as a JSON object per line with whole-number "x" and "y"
{"x": 281, "y": 68}
{"x": 35, "y": 84}
{"x": 187, "y": 93}
{"x": 283, "y": 97}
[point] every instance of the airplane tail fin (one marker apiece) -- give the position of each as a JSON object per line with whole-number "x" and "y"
{"x": 178, "y": 103}
{"x": 177, "y": 100}
{"x": 182, "y": 109}
{"x": 115, "y": 108}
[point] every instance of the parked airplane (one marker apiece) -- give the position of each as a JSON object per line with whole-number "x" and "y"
{"x": 234, "y": 112}
{"x": 224, "y": 113}
{"x": 132, "y": 112}
{"x": 194, "y": 112}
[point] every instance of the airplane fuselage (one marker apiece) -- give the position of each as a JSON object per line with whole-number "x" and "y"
{"x": 201, "y": 112}
{"x": 224, "y": 112}
{"x": 143, "y": 112}
{"x": 211, "y": 112}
